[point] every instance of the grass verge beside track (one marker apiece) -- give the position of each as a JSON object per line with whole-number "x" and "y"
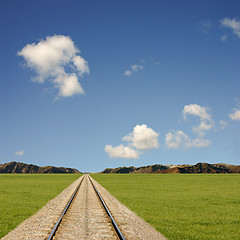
{"x": 181, "y": 206}
{"x": 21, "y": 195}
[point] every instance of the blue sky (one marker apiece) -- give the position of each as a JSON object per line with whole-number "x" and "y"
{"x": 121, "y": 83}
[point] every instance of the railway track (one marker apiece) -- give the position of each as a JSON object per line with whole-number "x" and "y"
{"x": 86, "y": 216}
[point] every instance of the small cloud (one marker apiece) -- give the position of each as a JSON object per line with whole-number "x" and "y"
{"x": 133, "y": 69}
{"x": 51, "y": 57}
{"x": 233, "y": 24}
{"x": 224, "y": 38}
{"x": 128, "y": 73}
{"x": 223, "y": 124}
{"x": 177, "y": 139}
{"x": 141, "y": 139}
{"x": 136, "y": 68}
{"x": 19, "y": 153}
{"x": 235, "y": 115}
{"x": 205, "y": 25}
{"x": 200, "y": 142}
{"x": 121, "y": 152}
{"x": 206, "y": 122}
{"x": 197, "y": 110}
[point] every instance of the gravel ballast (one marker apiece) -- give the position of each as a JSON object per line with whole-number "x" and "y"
{"x": 132, "y": 226}
{"x": 86, "y": 218}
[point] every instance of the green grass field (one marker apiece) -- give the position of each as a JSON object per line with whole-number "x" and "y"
{"x": 197, "y": 206}
{"x": 21, "y": 195}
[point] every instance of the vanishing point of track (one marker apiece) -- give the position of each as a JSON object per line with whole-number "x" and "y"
{"x": 86, "y": 216}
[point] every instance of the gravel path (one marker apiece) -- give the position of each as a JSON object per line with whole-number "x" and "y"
{"x": 85, "y": 218}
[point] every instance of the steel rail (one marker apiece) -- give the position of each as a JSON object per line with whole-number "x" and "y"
{"x": 120, "y": 235}
{"x": 64, "y": 212}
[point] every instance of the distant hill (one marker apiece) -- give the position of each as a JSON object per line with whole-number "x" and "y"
{"x": 198, "y": 168}
{"x": 18, "y": 167}
{"x": 145, "y": 169}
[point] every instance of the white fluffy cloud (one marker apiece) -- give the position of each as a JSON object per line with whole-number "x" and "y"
{"x": 197, "y": 110}
{"x": 68, "y": 85}
{"x": 177, "y": 139}
{"x": 121, "y": 152}
{"x": 19, "y": 153}
{"x": 51, "y": 58}
{"x": 235, "y": 115}
{"x": 134, "y": 68}
{"x": 140, "y": 139}
{"x": 233, "y": 24}
{"x": 206, "y": 122}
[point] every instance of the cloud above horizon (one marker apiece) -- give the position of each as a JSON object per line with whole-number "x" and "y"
{"x": 57, "y": 60}
{"x": 19, "y": 153}
{"x": 233, "y": 24}
{"x": 121, "y": 151}
{"x": 177, "y": 139}
{"x": 235, "y": 115}
{"x": 133, "y": 69}
{"x": 206, "y": 122}
{"x": 142, "y": 138}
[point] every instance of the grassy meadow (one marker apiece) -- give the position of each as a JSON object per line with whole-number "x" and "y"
{"x": 21, "y": 195}
{"x": 181, "y": 206}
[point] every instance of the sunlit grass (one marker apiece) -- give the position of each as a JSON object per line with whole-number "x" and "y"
{"x": 21, "y": 195}
{"x": 193, "y": 206}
